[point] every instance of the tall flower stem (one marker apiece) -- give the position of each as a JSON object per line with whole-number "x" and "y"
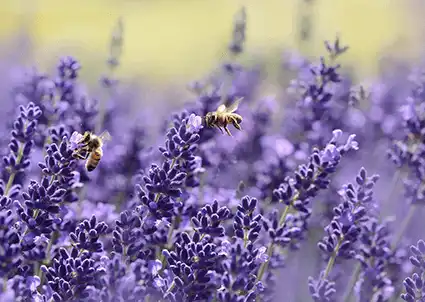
{"x": 332, "y": 259}
{"x": 306, "y": 11}
{"x": 353, "y": 279}
{"x": 356, "y": 272}
{"x": 265, "y": 265}
{"x": 18, "y": 161}
{"x": 403, "y": 227}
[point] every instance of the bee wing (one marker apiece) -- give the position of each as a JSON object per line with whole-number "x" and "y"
{"x": 234, "y": 106}
{"x": 105, "y": 136}
{"x": 221, "y": 108}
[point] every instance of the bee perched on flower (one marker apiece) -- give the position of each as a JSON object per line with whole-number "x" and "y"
{"x": 224, "y": 116}
{"x": 89, "y": 146}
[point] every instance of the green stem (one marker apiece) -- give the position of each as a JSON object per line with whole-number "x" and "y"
{"x": 265, "y": 265}
{"x": 13, "y": 174}
{"x": 284, "y": 214}
{"x": 393, "y": 186}
{"x": 157, "y": 196}
{"x": 40, "y": 273}
{"x": 173, "y": 162}
{"x": 172, "y": 285}
{"x": 332, "y": 259}
{"x": 403, "y": 227}
{"x": 352, "y": 283}
{"x": 202, "y": 178}
{"x": 169, "y": 238}
{"x": 245, "y": 238}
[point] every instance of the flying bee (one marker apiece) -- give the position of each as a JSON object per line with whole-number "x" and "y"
{"x": 224, "y": 116}
{"x": 89, "y": 147}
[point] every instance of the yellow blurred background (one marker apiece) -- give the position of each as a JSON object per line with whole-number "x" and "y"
{"x": 175, "y": 41}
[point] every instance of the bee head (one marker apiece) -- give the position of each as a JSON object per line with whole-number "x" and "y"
{"x": 86, "y": 138}
{"x": 209, "y": 118}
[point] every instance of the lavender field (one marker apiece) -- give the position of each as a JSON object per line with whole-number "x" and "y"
{"x": 311, "y": 194}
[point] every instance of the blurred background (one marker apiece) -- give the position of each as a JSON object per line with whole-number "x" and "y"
{"x": 169, "y": 43}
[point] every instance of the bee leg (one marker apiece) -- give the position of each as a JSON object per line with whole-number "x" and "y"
{"x": 77, "y": 154}
{"x": 221, "y": 130}
{"x": 227, "y": 131}
{"x": 236, "y": 125}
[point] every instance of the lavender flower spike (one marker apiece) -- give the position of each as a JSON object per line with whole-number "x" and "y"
{"x": 21, "y": 143}
{"x": 415, "y": 289}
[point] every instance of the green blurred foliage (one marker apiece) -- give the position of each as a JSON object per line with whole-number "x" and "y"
{"x": 174, "y": 41}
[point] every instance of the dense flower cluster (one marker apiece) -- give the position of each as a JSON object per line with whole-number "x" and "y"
{"x": 190, "y": 214}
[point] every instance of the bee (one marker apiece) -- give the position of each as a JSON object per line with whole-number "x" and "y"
{"x": 224, "y": 116}
{"x": 90, "y": 148}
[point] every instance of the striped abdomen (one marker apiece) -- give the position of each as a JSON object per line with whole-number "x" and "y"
{"x": 94, "y": 159}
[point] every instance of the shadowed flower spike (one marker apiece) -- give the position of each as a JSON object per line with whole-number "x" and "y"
{"x": 10, "y": 249}
{"x": 239, "y": 32}
{"x": 374, "y": 283}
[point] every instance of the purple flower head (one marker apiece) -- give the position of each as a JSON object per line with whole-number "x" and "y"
{"x": 75, "y": 139}
{"x": 262, "y": 257}
{"x": 21, "y": 143}
{"x": 194, "y": 124}
{"x": 209, "y": 220}
{"x": 72, "y": 274}
{"x": 192, "y": 257}
{"x": 86, "y": 235}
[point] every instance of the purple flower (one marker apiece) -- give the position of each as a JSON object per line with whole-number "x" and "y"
{"x": 75, "y": 139}
{"x": 262, "y": 257}
{"x": 194, "y": 123}
{"x": 154, "y": 267}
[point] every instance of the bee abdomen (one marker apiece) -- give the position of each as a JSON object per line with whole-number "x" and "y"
{"x": 90, "y": 166}
{"x": 94, "y": 159}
